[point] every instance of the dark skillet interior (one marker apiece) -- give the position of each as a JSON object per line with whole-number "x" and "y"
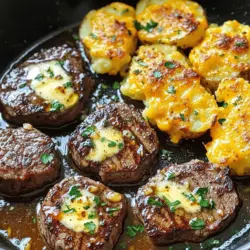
{"x": 22, "y": 23}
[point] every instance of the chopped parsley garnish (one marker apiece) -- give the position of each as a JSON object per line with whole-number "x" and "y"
{"x": 113, "y": 38}
{"x": 125, "y": 11}
{"x": 75, "y": 192}
{"x": 88, "y": 143}
{"x": 196, "y": 112}
{"x": 69, "y": 210}
{"x": 169, "y": 65}
{"x": 116, "y": 85}
{"x": 92, "y": 215}
{"x": 34, "y": 220}
{"x": 104, "y": 86}
{"x": 115, "y": 98}
{"x": 212, "y": 204}
{"x": 112, "y": 144}
{"x": 39, "y": 77}
{"x": 140, "y": 62}
{"x": 67, "y": 85}
{"x": 150, "y": 26}
{"x": 56, "y": 106}
{"x": 201, "y": 191}
{"x": 171, "y": 90}
{"x": 165, "y": 154}
{"x": 221, "y": 121}
{"x": 90, "y": 226}
{"x": 86, "y": 207}
{"x": 209, "y": 244}
{"x": 189, "y": 196}
{"x": 137, "y": 71}
{"x": 236, "y": 57}
{"x": 120, "y": 145}
{"x": 98, "y": 202}
{"x": 203, "y": 202}
{"x": 197, "y": 224}
{"x": 93, "y": 35}
{"x": 111, "y": 210}
{"x": 172, "y": 205}
{"x": 46, "y": 158}
{"x": 157, "y": 74}
{"x": 154, "y": 202}
{"x": 133, "y": 230}
{"x": 22, "y": 85}
{"x": 60, "y": 62}
{"x": 240, "y": 44}
{"x": 239, "y": 98}
{"x": 222, "y": 104}
{"x": 50, "y": 72}
{"x": 88, "y": 131}
{"x": 182, "y": 117}
{"x": 170, "y": 175}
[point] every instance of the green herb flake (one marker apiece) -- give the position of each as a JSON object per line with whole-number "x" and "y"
{"x": 120, "y": 145}
{"x": 140, "y": 62}
{"x": 154, "y": 202}
{"x": 116, "y": 85}
{"x": 197, "y": 224}
{"x": 60, "y": 62}
{"x": 88, "y": 131}
{"x": 112, "y": 144}
{"x": 39, "y": 77}
{"x": 201, "y": 191}
{"x": 88, "y": 143}
{"x": 104, "y": 86}
{"x": 149, "y": 26}
{"x": 171, "y": 90}
{"x": 137, "y": 71}
{"x": 221, "y": 121}
{"x": 182, "y": 117}
{"x": 56, "y": 106}
{"x": 157, "y": 74}
{"x": 50, "y": 72}
{"x": 189, "y": 196}
{"x": 222, "y": 104}
{"x": 111, "y": 210}
{"x": 34, "y": 220}
{"x": 115, "y": 98}
{"x": 236, "y": 57}
{"x": 124, "y": 11}
{"x": 169, "y": 65}
{"x": 240, "y": 44}
{"x": 123, "y": 245}
{"x": 22, "y": 85}
{"x": 92, "y": 215}
{"x": 75, "y": 192}
{"x": 86, "y": 207}
{"x": 203, "y": 202}
{"x": 172, "y": 205}
{"x": 165, "y": 154}
{"x": 239, "y": 98}
{"x": 170, "y": 175}
{"x": 93, "y": 35}
{"x": 209, "y": 244}
{"x": 90, "y": 227}
{"x": 46, "y": 158}
{"x": 98, "y": 202}
{"x": 212, "y": 204}
{"x": 113, "y": 38}
{"x": 133, "y": 230}
{"x": 67, "y": 85}
{"x": 69, "y": 210}
{"x": 196, "y": 112}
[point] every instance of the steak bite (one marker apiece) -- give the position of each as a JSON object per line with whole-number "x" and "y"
{"x": 49, "y": 89}
{"x": 115, "y": 143}
{"x": 28, "y": 160}
{"x": 187, "y": 202}
{"x": 79, "y": 213}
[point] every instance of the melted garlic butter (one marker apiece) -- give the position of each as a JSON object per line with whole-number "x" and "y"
{"x": 82, "y": 207}
{"x": 103, "y": 139}
{"x": 50, "y": 81}
{"x": 174, "y": 191}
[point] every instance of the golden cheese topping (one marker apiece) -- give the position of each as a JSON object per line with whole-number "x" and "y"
{"x": 230, "y": 145}
{"x": 223, "y": 53}
{"x": 109, "y": 36}
{"x": 50, "y": 81}
{"x": 175, "y": 101}
{"x": 176, "y": 192}
{"x": 173, "y": 22}
{"x": 80, "y": 214}
{"x": 108, "y": 142}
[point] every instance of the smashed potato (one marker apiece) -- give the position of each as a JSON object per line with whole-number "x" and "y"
{"x": 224, "y": 53}
{"x": 109, "y": 37}
{"x": 172, "y": 22}
{"x": 230, "y": 145}
{"x": 175, "y": 101}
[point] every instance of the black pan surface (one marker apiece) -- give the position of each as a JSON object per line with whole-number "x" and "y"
{"x": 22, "y": 23}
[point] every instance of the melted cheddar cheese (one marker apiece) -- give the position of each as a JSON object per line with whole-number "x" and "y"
{"x": 109, "y": 36}
{"x": 108, "y": 142}
{"x": 230, "y": 145}
{"x": 175, "y": 101}
{"x": 50, "y": 82}
{"x": 173, "y": 22}
{"x": 224, "y": 53}
{"x": 174, "y": 191}
{"x": 75, "y": 213}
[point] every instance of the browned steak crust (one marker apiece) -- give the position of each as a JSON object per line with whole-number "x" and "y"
{"x": 21, "y": 167}
{"x": 57, "y": 236}
{"x": 21, "y": 104}
{"x": 164, "y": 226}
{"x": 131, "y": 163}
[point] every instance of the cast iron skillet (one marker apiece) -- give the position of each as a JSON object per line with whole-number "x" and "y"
{"x": 24, "y": 22}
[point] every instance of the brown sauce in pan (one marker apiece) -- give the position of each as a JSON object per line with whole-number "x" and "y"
{"x": 18, "y": 219}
